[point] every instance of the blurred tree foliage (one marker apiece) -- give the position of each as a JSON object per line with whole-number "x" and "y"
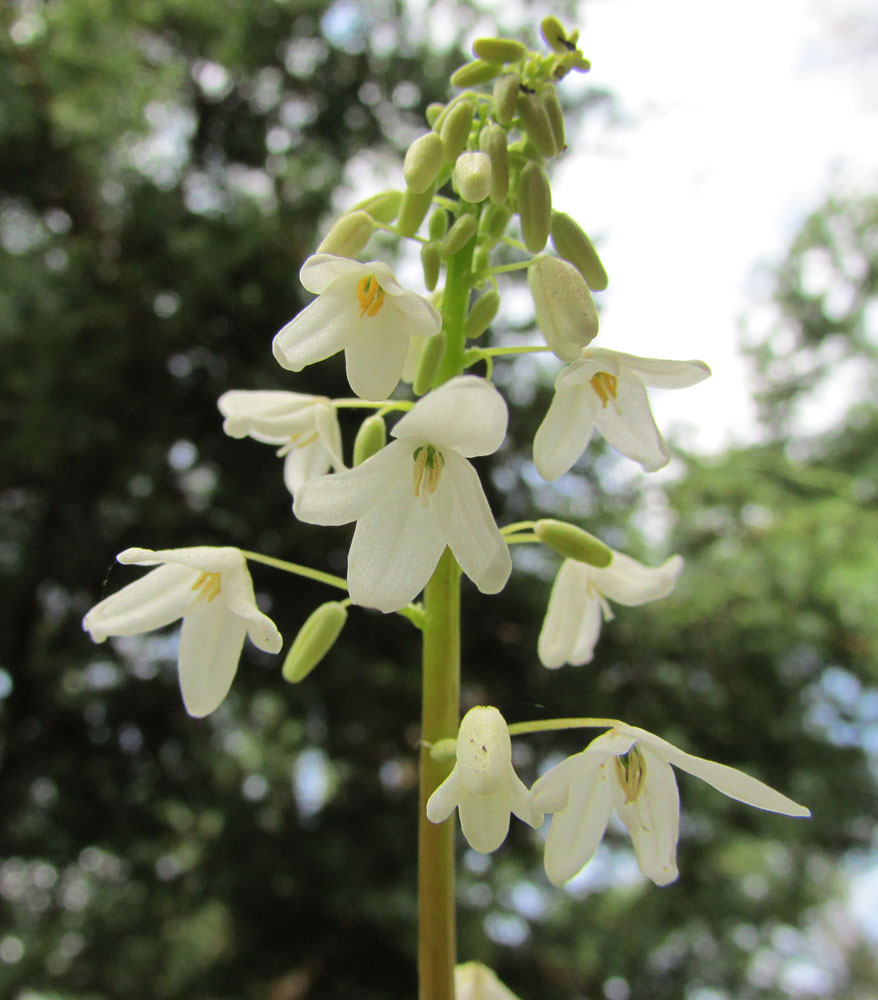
{"x": 165, "y": 167}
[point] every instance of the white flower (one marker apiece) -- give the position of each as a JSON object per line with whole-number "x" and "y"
{"x": 607, "y": 390}
{"x": 578, "y": 603}
{"x": 483, "y": 784}
{"x": 361, "y": 310}
{"x": 474, "y": 981}
{"x": 211, "y": 590}
{"x": 630, "y": 769}
{"x": 417, "y": 495}
{"x": 305, "y": 426}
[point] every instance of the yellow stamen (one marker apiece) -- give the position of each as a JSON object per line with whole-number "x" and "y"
{"x": 630, "y": 773}
{"x": 209, "y": 585}
{"x": 605, "y": 385}
{"x": 427, "y": 472}
{"x": 370, "y": 295}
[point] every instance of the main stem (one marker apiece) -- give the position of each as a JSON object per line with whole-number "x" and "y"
{"x": 437, "y": 950}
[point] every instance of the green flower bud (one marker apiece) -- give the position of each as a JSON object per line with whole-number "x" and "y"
{"x": 455, "y": 129}
{"x": 573, "y": 543}
{"x": 493, "y": 223}
{"x": 459, "y": 235}
{"x": 472, "y": 176}
{"x": 415, "y": 205}
{"x": 431, "y": 263}
{"x": 382, "y": 207}
{"x": 370, "y": 439}
{"x": 482, "y": 314}
{"x": 499, "y": 50}
{"x": 535, "y": 120}
{"x": 492, "y": 140}
{"x": 428, "y": 364}
{"x": 481, "y": 259}
{"x": 506, "y": 97}
{"x": 473, "y": 73}
{"x": 437, "y": 227}
{"x": 572, "y": 244}
{"x": 534, "y": 206}
{"x": 348, "y": 236}
{"x": 422, "y": 162}
{"x": 549, "y": 97}
{"x": 432, "y": 113}
{"x": 315, "y": 639}
{"x": 555, "y": 36}
{"x": 565, "y": 309}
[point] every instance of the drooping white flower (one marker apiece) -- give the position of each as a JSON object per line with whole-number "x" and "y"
{"x": 474, "y": 981}
{"x": 306, "y": 428}
{"x": 483, "y": 785}
{"x": 211, "y": 590}
{"x": 361, "y": 310}
{"x": 417, "y": 495}
{"x": 630, "y": 769}
{"x": 606, "y": 390}
{"x": 578, "y": 603}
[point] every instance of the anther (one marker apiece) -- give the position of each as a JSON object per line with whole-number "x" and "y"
{"x": 605, "y": 385}
{"x": 370, "y": 295}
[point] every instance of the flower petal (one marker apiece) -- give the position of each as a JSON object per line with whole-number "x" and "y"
{"x": 662, "y": 374}
{"x": 204, "y": 558}
{"x": 484, "y": 820}
{"x": 653, "y": 819}
{"x": 414, "y": 313}
{"x": 320, "y": 330}
{"x": 467, "y": 525}
{"x": 628, "y": 425}
{"x": 573, "y": 618}
{"x": 237, "y": 594}
{"x": 210, "y": 647}
{"x": 466, "y": 414}
{"x": 301, "y": 464}
{"x": 156, "y": 599}
{"x": 444, "y": 799}
{"x": 269, "y": 416}
{"x": 322, "y": 269}
{"x": 629, "y": 582}
{"x": 375, "y": 354}
{"x": 566, "y": 429}
{"x": 329, "y": 432}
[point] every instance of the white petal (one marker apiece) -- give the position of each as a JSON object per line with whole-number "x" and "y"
{"x": 628, "y": 425}
{"x": 237, "y": 595}
{"x": 656, "y": 372}
{"x": 629, "y": 582}
{"x": 566, "y": 429}
{"x": 444, "y": 799}
{"x": 414, "y": 313}
{"x": 329, "y": 432}
{"x": 301, "y": 464}
{"x": 156, "y": 599}
{"x": 320, "y": 330}
{"x": 576, "y": 831}
{"x": 204, "y": 558}
{"x": 466, "y": 414}
{"x": 468, "y": 527}
{"x": 210, "y": 647}
{"x": 347, "y": 496}
{"x": 573, "y": 618}
{"x": 484, "y": 820}
{"x": 725, "y": 779}
{"x": 653, "y": 819}
{"x": 375, "y": 354}
{"x": 520, "y": 802}
{"x": 272, "y": 417}
{"x": 395, "y": 549}
{"x": 474, "y": 981}
{"x": 614, "y": 742}
{"x": 322, "y": 269}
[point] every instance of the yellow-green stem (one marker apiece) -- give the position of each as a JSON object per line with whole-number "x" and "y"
{"x": 437, "y": 950}
{"x": 455, "y": 302}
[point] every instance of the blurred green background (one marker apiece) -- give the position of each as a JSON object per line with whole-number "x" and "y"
{"x": 165, "y": 168}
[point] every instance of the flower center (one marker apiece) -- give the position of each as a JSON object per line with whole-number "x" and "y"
{"x": 605, "y": 385}
{"x": 630, "y": 773}
{"x": 208, "y": 586}
{"x": 370, "y": 295}
{"x": 428, "y": 469}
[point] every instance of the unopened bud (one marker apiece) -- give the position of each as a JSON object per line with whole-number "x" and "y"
{"x": 370, "y": 439}
{"x": 472, "y": 176}
{"x": 432, "y": 353}
{"x": 415, "y": 205}
{"x": 499, "y": 50}
{"x": 431, "y": 264}
{"x": 573, "y": 543}
{"x": 437, "y": 227}
{"x": 535, "y": 120}
{"x": 565, "y": 309}
{"x": 422, "y": 162}
{"x": 473, "y": 73}
{"x": 315, "y": 639}
{"x": 572, "y": 244}
{"x": 348, "y": 236}
{"x": 493, "y": 223}
{"x": 482, "y": 314}
{"x": 555, "y": 36}
{"x": 506, "y": 97}
{"x": 534, "y": 206}
{"x": 492, "y": 140}
{"x": 432, "y": 113}
{"x": 382, "y": 207}
{"x": 549, "y": 98}
{"x": 481, "y": 260}
{"x": 455, "y": 129}
{"x": 459, "y": 235}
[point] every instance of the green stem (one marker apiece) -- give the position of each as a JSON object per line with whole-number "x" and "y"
{"x": 547, "y": 725}
{"x": 288, "y": 567}
{"x": 437, "y": 950}
{"x": 455, "y": 302}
